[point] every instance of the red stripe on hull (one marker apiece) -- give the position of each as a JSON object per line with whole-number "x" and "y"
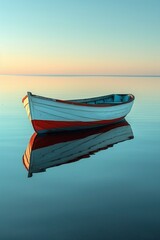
{"x": 46, "y": 126}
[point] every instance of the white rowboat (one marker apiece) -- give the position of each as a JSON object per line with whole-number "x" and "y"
{"x": 49, "y": 115}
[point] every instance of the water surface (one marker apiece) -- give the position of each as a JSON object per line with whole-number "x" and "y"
{"x": 113, "y": 194}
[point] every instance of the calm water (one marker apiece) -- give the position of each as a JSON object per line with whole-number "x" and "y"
{"x": 113, "y": 194}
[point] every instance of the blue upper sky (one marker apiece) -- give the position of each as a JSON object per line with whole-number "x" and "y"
{"x": 83, "y": 36}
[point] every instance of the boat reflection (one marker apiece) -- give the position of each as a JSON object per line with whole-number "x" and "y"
{"x": 50, "y": 150}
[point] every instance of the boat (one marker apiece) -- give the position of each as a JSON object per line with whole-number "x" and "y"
{"x": 49, "y": 115}
{"x": 54, "y": 149}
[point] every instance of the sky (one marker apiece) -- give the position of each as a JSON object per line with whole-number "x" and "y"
{"x": 80, "y": 37}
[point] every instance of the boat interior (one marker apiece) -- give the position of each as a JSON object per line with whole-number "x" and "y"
{"x": 109, "y": 99}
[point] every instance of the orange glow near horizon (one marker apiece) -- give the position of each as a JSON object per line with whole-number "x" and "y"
{"x": 14, "y": 88}
{"x": 76, "y": 87}
{"x": 35, "y": 65}
{"x": 17, "y": 64}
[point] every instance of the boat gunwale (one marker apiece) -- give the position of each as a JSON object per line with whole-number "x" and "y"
{"x": 73, "y": 102}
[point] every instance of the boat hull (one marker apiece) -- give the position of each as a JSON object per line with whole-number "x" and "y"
{"x": 45, "y": 126}
{"x": 49, "y": 115}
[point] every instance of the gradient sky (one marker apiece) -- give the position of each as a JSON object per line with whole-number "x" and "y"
{"x": 80, "y": 37}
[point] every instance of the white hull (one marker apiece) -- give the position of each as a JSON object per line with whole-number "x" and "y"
{"x": 49, "y": 114}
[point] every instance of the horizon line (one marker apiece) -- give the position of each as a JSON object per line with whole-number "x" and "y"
{"x": 80, "y": 75}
